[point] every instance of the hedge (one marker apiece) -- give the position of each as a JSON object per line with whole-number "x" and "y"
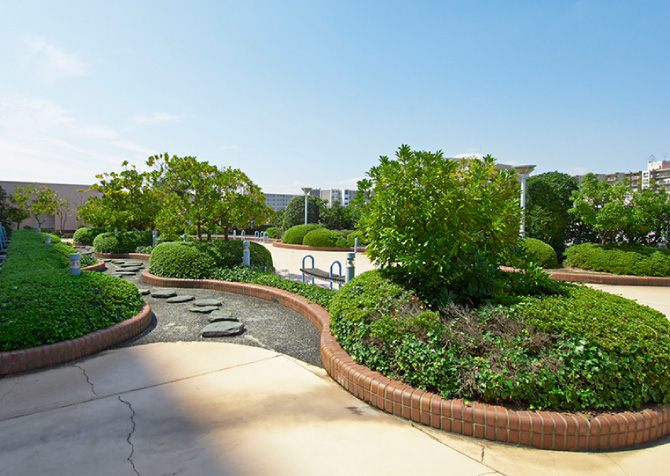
{"x": 322, "y": 237}
{"x": 540, "y": 253}
{"x": 636, "y": 260}
{"x": 199, "y": 259}
{"x": 85, "y": 235}
{"x": 41, "y": 303}
{"x": 296, "y": 234}
{"x": 121, "y": 241}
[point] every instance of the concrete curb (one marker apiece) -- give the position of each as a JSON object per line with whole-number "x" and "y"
{"x": 538, "y": 429}
{"x": 32, "y": 358}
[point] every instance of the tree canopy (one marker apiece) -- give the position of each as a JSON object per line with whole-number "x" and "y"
{"x": 442, "y": 226}
{"x": 36, "y": 199}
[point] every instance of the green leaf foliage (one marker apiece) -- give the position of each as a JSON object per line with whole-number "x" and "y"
{"x": 85, "y": 235}
{"x": 296, "y": 234}
{"x": 577, "y": 350}
{"x": 199, "y": 259}
{"x": 443, "y": 225}
{"x": 274, "y": 232}
{"x": 540, "y": 253}
{"x": 294, "y": 213}
{"x": 620, "y": 258}
{"x": 321, "y": 237}
{"x": 121, "y": 241}
{"x": 41, "y": 303}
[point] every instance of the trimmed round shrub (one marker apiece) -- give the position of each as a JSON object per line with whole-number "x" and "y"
{"x": 85, "y": 235}
{"x": 635, "y": 260}
{"x": 274, "y": 232}
{"x": 322, "y": 237}
{"x": 296, "y": 234}
{"x": 121, "y": 241}
{"x": 540, "y": 253}
{"x": 199, "y": 259}
{"x": 180, "y": 260}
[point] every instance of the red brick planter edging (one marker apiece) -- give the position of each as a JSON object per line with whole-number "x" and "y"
{"x": 546, "y": 430}
{"x": 621, "y": 280}
{"x": 22, "y": 360}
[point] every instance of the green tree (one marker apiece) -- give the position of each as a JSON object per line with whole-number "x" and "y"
{"x": 8, "y": 213}
{"x": 339, "y": 217}
{"x": 128, "y": 201}
{"x": 39, "y": 200}
{"x": 441, "y": 226}
{"x": 62, "y": 207}
{"x": 204, "y": 196}
{"x": 294, "y": 214}
{"x": 547, "y": 206}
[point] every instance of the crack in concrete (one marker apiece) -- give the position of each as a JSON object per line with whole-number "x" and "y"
{"x": 132, "y": 446}
{"x": 87, "y": 379}
{"x": 9, "y": 390}
{"x": 482, "y": 456}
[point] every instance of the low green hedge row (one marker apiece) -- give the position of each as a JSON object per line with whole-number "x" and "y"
{"x": 121, "y": 241}
{"x": 318, "y": 236}
{"x": 274, "y": 232}
{"x": 85, "y": 235}
{"x": 580, "y": 349}
{"x": 199, "y": 259}
{"x": 41, "y": 303}
{"x": 624, "y": 259}
{"x": 316, "y": 294}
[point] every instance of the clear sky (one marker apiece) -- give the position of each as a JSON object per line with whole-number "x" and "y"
{"x": 311, "y": 93}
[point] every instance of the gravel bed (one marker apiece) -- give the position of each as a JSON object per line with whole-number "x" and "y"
{"x": 268, "y": 325}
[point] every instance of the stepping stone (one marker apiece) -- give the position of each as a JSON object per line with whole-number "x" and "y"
{"x": 207, "y": 302}
{"x": 134, "y": 270}
{"x": 131, "y": 265}
{"x": 216, "y": 316}
{"x": 203, "y": 309}
{"x": 126, "y": 273}
{"x": 163, "y": 293}
{"x": 118, "y": 261}
{"x": 184, "y": 298}
{"x": 106, "y": 260}
{"x": 143, "y": 291}
{"x": 222, "y": 329}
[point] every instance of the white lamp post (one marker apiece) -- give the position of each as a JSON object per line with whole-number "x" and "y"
{"x": 523, "y": 171}
{"x": 306, "y": 191}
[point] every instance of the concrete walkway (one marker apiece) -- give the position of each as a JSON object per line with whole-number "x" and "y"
{"x": 224, "y": 409}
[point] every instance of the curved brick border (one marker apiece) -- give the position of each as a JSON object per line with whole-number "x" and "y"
{"x": 99, "y": 266}
{"x": 142, "y": 256}
{"x": 622, "y": 280}
{"x": 15, "y": 361}
{"x": 546, "y": 430}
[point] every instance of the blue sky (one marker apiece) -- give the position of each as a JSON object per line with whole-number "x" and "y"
{"x": 311, "y": 93}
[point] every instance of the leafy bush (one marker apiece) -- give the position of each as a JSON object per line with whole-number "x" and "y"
{"x": 322, "y": 237}
{"x": 199, "y": 259}
{"x": 445, "y": 224}
{"x": 578, "y": 350}
{"x": 636, "y": 260}
{"x": 296, "y": 234}
{"x": 85, "y": 235}
{"x": 316, "y": 294}
{"x": 42, "y": 303}
{"x": 540, "y": 253}
{"x": 351, "y": 239}
{"x": 274, "y": 232}
{"x": 121, "y": 241}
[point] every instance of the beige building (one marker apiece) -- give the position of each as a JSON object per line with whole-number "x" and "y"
{"x": 70, "y": 192}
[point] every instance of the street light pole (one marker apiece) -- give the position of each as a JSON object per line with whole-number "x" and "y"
{"x": 306, "y": 190}
{"x": 523, "y": 171}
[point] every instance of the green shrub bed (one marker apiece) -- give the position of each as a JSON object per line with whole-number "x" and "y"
{"x": 199, "y": 259}
{"x": 579, "y": 349}
{"x": 85, "y": 235}
{"x": 41, "y": 303}
{"x": 274, "y": 232}
{"x": 635, "y": 260}
{"x": 322, "y": 237}
{"x": 540, "y": 253}
{"x": 296, "y": 234}
{"x": 121, "y": 241}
